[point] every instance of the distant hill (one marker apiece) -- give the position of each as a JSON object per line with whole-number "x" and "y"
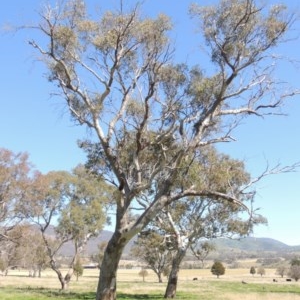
{"x": 252, "y": 244}
{"x": 249, "y": 244}
{"x": 92, "y": 245}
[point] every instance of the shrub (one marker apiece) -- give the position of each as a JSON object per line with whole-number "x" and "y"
{"x": 143, "y": 273}
{"x": 218, "y": 269}
{"x": 252, "y": 271}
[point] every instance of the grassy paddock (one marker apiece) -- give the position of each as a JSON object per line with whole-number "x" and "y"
{"x": 17, "y": 286}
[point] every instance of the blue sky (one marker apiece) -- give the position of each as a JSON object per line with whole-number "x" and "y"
{"x": 31, "y": 121}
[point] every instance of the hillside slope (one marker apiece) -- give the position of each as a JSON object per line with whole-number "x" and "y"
{"x": 249, "y": 244}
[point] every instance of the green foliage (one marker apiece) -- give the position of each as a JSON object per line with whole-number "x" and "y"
{"x": 294, "y": 272}
{"x": 252, "y": 270}
{"x": 295, "y": 262}
{"x": 217, "y": 269}
{"x": 15, "y": 180}
{"x": 151, "y": 249}
{"x": 235, "y": 27}
{"x": 97, "y": 257}
{"x": 84, "y": 213}
{"x": 203, "y": 251}
{"x": 74, "y": 204}
{"x": 3, "y": 265}
{"x": 143, "y": 273}
{"x": 129, "y": 266}
{"x": 261, "y": 271}
{"x": 78, "y": 268}
{"x": 281, "y": 270}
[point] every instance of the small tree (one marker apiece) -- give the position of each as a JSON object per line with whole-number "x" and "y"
{"x": 295, "y": 262}
{"x": 203, "y": 251}
{"x": 74, "y": 202}
{"x": 15, "y": 171}
{"x": 30, "y": 250}
{"x": 217, "y": 269}
{"x": 261, "y": 271}
{"x": 252, "y": 271}
{"x": 294, "y": 272}
{"x": 3, "y": 265}
{"x": 281, "y": 270}
{"x": 97, "y": 257}
{"x": 166, "y": 271}
{"x": 150, "y": 249}
{"x": 143, "y": 273}
{"x": 78, "y": 268}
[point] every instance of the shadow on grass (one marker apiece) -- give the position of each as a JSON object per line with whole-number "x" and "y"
{"x": 59, "y": 294}
{"x": 83, "y": 295}
{"x": 181, "y": 296}
{"x": 139, "y": 297}
{"x": 44, "y": 293}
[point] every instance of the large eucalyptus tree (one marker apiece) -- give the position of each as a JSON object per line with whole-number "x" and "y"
{"x": 150, "y": 115}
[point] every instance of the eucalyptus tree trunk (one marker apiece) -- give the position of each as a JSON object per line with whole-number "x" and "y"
{"x": 64, "y": 280}
{"x": 173, "y": 277}
{"x": 107, "y": 284}
{"x": 159, "y": 275}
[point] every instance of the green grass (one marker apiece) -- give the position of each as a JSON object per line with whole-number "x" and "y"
{"x": 201, "y": 290}
{"x": 237, "y": 287}
{"x": 36, "y": 294}
{"x": 42, "y": 294}
{"x": 17, "y": 286}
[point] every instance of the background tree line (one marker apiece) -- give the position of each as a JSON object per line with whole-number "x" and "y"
{"x": 73, "y": 203}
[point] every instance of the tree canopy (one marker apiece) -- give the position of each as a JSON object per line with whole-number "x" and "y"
{"x": 218, "y": 269}
{"x": 15, "y": 178}
{"x": 76, "y": 202}
{"x": 150, "y": 248}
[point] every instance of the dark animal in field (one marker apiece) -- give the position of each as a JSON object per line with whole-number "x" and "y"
{"x": 244, "y": 282}
{"x": 288, "y": 279}
{"x": 195, "y": 278}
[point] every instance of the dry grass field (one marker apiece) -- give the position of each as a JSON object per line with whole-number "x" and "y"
{"x": 131, "y": 286}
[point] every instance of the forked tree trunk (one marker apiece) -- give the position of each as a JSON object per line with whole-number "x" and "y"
{"x": 64, "y": 280}
{"x": 158, "y": 274}
{"x": 172, "y": 284}
{"x": 173, "y": 277}
{"x": 107, "y": 285}
{"x": 63, "y": 283}
{"x": 34, "y": 272}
